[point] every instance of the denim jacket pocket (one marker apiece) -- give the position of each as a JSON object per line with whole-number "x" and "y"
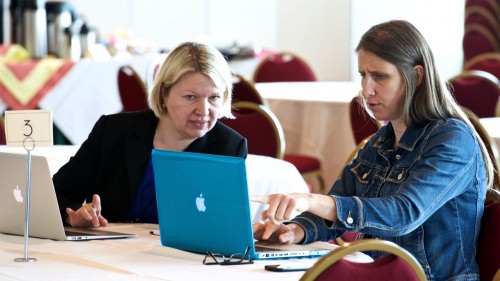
{"x": 362, "y": 172}
{"x": 397, "y": 174}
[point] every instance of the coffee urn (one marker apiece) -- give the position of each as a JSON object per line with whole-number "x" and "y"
{"x": 35, "y": 28}
{"x": 16, "y": 8}
{"x": 60, "y": 16}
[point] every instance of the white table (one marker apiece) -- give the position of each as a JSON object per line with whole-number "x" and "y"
{"x": 264, "y": 174}
{"x": 492, "y": 126}
{"x": 315, "y": 120}
{"x": 141, "y": 258}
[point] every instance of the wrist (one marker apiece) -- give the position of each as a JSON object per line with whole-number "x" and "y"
{"x": 299, "y": 234}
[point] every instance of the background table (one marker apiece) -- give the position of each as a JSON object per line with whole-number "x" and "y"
{"x": 492, "y": 126}
{"x": 88, "y": 90}
{"x": 264, "y": 174}
{"x": 315, "y": 120}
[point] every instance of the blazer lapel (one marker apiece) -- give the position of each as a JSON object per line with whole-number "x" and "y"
{"x": 139, "y": 145}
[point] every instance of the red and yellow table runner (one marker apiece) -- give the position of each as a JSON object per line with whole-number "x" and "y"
{"x": 24, "y": 82}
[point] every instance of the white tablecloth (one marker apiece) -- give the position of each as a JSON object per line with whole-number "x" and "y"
{"x": 492, "y": 126}
{"x": 89, "y": 90}
{"x": 264, "y": 174}
{"x": 315, "y": 119}
{"x": 141, "y": 258}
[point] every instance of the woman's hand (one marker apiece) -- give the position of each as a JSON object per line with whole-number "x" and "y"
{"x": 89, "y": 215}
{"x": 283, "y": 207}
{"x": 278, "y": 232}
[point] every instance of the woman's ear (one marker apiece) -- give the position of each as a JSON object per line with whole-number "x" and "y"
{"x": 420, "y": 73}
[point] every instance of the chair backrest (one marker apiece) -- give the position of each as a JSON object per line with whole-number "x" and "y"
{"x": 244, "y": 90}
{"x": 489, "y": 62}
{"x": 362, "y": 124}
{"x": 488, "y": 141}
{"x": 260, "y": 127}
{"x": 491, "y": 5}
{"x": 478, "y": 40}
{"x": 132, "y": 90}
{"x": 282, "y": 67}
{"x": 399, "y": 264}
{"x": 3, "y": 139}
{"x": 483, "y": 16}
{"x": 478, "y": 91}
{"x": 488, "y": 251}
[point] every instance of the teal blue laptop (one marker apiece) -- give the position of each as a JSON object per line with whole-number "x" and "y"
{"x": 203, "y": 205}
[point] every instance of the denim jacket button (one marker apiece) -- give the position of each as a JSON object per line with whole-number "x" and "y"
{"x": 349, "y": 219}
{"x": 398, "y": 156}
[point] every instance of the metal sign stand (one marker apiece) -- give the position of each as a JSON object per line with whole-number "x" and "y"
{"x": 27, "y": 212}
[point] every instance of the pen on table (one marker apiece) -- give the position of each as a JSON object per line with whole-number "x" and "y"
{"x": 155, "y": 233}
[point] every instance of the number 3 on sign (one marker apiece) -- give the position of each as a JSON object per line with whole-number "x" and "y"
{"x": 28, "y": 128}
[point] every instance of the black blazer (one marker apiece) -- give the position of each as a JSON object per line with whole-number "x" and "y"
{"x": 112, "y": 160}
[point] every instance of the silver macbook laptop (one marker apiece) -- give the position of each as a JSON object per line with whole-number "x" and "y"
{"x": 45, "y": 219}
{"x": 203, "y": 205}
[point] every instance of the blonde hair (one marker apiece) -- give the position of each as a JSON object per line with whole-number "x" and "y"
{"x": 192, "y": 57}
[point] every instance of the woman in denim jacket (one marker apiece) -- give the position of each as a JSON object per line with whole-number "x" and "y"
{"x": 420, "y": 181}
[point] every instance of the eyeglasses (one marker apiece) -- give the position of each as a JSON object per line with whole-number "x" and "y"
{"x": 231, "y": 260}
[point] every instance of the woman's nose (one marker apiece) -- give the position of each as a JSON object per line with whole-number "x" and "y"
{"x": 367, "y": 89}
{"x": 203, "y": 107}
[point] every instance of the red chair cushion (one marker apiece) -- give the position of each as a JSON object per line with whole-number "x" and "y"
{"x": 284, "y": 67}
{"x": 488, "y": 251}
{"x": 362, "y": 124}
{"x": 2, "y": 133}
{"x": 261, "y": 138}
{"x": 476, "y": 94}
{"x": 303, "y": 163}
{"x": 389, "y": 267}
{"x": 491, "y": 66}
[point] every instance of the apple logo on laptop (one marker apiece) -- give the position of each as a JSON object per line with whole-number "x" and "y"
{"x": 17, "y": 194}
{"x": 200, "y": 203}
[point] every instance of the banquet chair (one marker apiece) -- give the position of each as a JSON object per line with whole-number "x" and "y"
{"x": 244, "y": 90}
{"x": 152, "y": 70}
{"x": 3, "y": 139}
{"x": 260, "y": 127}
{"x": 488, "y": 250}
{"x": 362, "y": 124}
{"x": 481, "y": 15}
{"x": 398, "y": 264}
{"x": 489, "y": 62}
{"x": 490, "y": 5}
{"x": 251, "y": 118}
{"x": 477, "y": 40}
{"x": 490, "y": 144}
{"x": 477, "y": 90}
{"x": 283, "y": 67}
{"x": 133, "y": 93}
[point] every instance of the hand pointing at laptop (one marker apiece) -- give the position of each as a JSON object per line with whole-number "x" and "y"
{"x": 282, "y": 208}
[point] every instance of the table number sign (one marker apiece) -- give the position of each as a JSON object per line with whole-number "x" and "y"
{"x": 27, "y": 128}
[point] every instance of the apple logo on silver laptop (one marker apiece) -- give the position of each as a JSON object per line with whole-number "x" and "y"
{"x": 17, "y": 194}
{"x": 200, "y": 203}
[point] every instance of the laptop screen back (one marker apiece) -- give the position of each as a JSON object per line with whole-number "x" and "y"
{"x": 45, "y": 219}
{"x": 203, "y": 202}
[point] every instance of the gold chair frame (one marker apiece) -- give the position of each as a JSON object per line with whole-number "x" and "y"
{"x": 360, "y": 246}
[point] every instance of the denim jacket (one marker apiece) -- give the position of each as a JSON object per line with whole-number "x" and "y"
{"x": 427, "y": 196}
